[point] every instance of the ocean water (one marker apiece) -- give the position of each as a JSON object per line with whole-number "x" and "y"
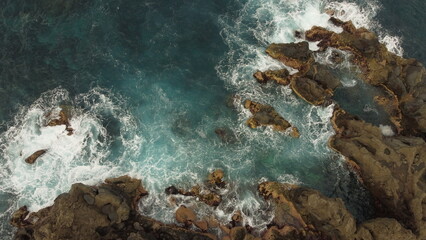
{"x": 148, "y": 82}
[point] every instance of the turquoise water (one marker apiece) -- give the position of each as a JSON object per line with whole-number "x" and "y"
{"x": 149, "y": 82}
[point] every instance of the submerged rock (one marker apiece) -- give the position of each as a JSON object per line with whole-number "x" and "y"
{"x": 265, "y": 115}
{"x": 392, "y": 168}
{"x": 31, "y": 159}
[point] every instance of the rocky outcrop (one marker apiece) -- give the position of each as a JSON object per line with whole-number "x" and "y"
{"x": 392, "y": 168}
{"x": 313, "y": 82}
{"x": 281, "y": 76}
{"x": 295, "y": 55}
{"x": 61, "y": 119}
{"x": 307, "y": 214}
{"x": 31, "y": 159}
{"x": 403, "y": 79}
{"x": 97, "y": 212}
{"x": 265, "y": 115}
{"x": 208, "y": 193}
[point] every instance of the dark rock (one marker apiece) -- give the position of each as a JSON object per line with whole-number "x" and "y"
{"x": 265, "y": 115}
{"x": 89, "y": 199}
{"x": 295, "y": 55}
{"x": 31, "y": 159}
{"x": 18, "y": 217}
{"x": 172, "y": 190}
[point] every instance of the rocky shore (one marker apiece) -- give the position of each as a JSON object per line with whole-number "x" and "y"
{"x": 392, "y": 168}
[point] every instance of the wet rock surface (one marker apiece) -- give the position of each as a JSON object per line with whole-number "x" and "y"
{"x": 392, "y": 168}
{"x": 265, "y": 115}
{"x": 209, "y": 193}
{"x": 307, "y": 214}
{"x": 107, "y": 214}
{"x": 33, "y": 157}
{"x": 404, "y": 79}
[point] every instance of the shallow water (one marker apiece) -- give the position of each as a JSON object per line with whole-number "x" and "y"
{"x": 148, "y": 82}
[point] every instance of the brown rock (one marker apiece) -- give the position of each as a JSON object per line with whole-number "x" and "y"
{"x": 18, "y": 217}
{"x": 295, "y": 55}
{"x": 202, "y": 225}
{"x": 31, "y": 159}
{"x": 281, "y": 76}
{"x": 185, "y": 215}
{"x": 216, "y": 178}
{"x": 265, "y": 115}
{"x": 237, "y": 233}
{"x": 404, "y": 79}
{"x": 392, "y": 168}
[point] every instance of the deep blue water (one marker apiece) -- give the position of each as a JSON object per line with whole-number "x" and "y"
{"x": 150, "y": 81}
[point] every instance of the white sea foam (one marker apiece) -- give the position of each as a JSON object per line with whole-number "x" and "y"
{"x": 81, "y": 157}
{"x": 386, "y": 130}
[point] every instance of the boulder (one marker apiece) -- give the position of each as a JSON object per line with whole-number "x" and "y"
{"x": 31, "y": 159}
{"x": 215, "y": 178}
{"x": 185, "y": 215}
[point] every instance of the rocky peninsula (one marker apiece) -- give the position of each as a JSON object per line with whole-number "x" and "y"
{"x": 392, "y": 168}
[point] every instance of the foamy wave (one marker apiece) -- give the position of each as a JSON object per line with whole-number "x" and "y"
{"x": 99, "y": 120}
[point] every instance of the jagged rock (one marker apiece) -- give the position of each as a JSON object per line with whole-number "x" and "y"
{"x": 74, "y": 217}
{"x": 281, "y": 76}
{"x": 31, "y": 159}
{"x": 237, "y": 218}
{"x": 18, "y": 217}
{"x": 265, "y": 115}
{"x": 404, "y": 79}
{"x": 208, "y": 193}
{"x": 310, "y": 91}
{"x": 215, "y": 178}
{"x": 323, "y": 217}
{"x": 185, "y": 215}
{"x": 392, "y": 168}
{"x": 62, "y": 119}
{"x": 131, "y": 186}
{"x": 295, "y": 55}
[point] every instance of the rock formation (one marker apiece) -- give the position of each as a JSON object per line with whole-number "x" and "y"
{"x": 302, "y": 213}
{"x": 208, "y": 193}
{"x": 314, "y": 82}
{"x": 97, "y": 212}
{"x": 61, "y": 119}
{"x": 403, "y": 79}
{"x": 265, "y": 115}
{"x": 33, "y": 157}
{"x": 392, "y": 168}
